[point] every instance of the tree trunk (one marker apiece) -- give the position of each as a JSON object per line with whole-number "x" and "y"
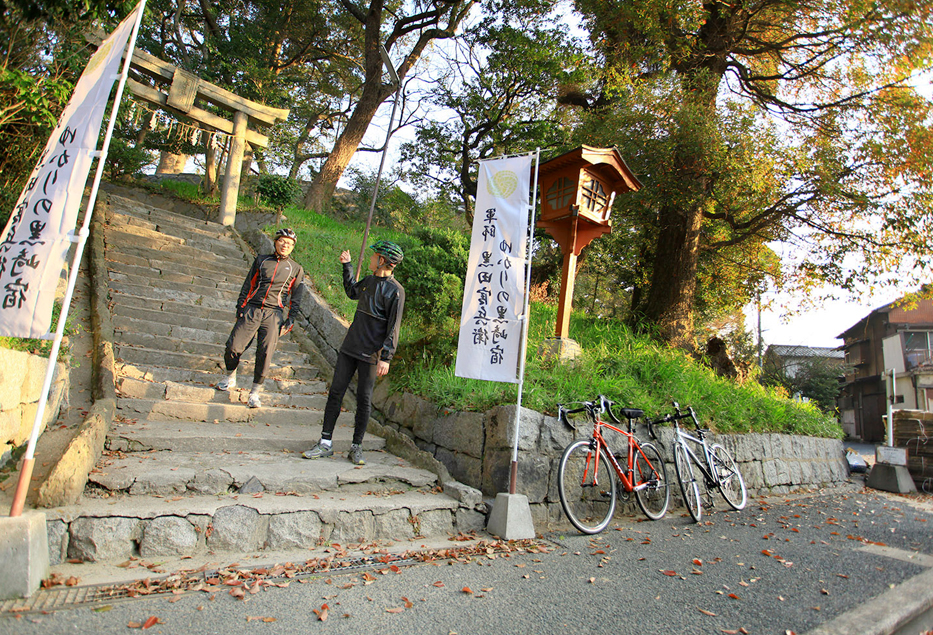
{"x": 170, "y": 163}
{"x": 209, "y": 184}
{"x": 325, "y": 182}
{"x": 669, "y": 302}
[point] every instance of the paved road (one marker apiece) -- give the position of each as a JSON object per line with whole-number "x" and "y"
{"x": 783, "y": 564}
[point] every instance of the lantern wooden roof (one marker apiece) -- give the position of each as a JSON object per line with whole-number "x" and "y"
{"x": 580, "y": 167}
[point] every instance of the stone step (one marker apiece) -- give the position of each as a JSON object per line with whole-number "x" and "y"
{"x": 125, "y": 315}
{"x": 269, "y": 434}
{"x": 284, "y": 365}
{"x": 207, "y": 290}
{"x": 153, "y": 278}
{"x": 203, "y": 378}
{"x": 229, "y": 269}
{"x": 106, "y": 530}
{"x": 286, "y": 352}
{"x": 207, "y": 298}
{"x": 168, "y": 223}
{"x": 127, "y": 206}
{"x": 216, "y": 244}
{"x": 183, "y": 392}
{"x": 141, "y": 238}
{"x": 163, "y": 410}
{"x": 124, "y": 304}
{"x": 169, "y": 473}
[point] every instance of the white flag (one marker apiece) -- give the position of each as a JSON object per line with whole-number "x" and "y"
{"x": 37, "y": 236}
{"x": 493, "y": 297}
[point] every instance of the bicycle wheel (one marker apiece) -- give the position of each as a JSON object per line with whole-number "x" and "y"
{"x": 588, "y": 498}
{"x": 686, "y": 470}
{"x": 731, "y": 483}
{"x": 652, "y": 489}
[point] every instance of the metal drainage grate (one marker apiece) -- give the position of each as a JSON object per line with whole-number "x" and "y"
{"x": 58, "y": 598}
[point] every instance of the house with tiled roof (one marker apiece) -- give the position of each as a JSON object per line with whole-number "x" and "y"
{"x": 896, "y": 338}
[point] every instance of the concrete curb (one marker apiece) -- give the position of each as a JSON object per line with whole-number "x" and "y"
{"x": 67, "y": 479}
{"x": 887, "y": 613}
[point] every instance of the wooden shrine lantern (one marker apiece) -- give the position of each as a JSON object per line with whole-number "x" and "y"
{"x": 577, "y": 192}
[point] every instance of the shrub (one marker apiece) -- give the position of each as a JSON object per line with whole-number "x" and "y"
{"x": 126, "y": 160}
{"x": 277, "y": 191}
{"x": 433, "y": 273}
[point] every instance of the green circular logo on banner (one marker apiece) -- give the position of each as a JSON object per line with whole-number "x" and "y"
{"x": 502, "y": 184}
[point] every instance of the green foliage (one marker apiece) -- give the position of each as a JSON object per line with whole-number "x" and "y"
{"x": 433, "y": 272}
{"x": 124, "y": 159}
{"x": 633, "y": 370}
{"x": 277, "y": 191}
{"x": 816, "y": 379}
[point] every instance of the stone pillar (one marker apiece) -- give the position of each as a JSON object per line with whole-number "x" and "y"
{"x": 231, "y": 188}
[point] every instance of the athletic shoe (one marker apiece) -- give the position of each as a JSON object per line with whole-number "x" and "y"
{"x": 356, "y": 455}
{"x": 227, "y": 383}
{"x": 318, "y": 451}
{"x": 254, "y": 400}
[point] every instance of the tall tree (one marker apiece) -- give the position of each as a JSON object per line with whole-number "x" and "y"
{"x": 413, "y": 26}
{"x": 498, "y": 90}
{"x": 815, "y": 92}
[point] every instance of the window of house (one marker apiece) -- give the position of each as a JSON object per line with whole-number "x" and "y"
{"x": 918, "y": 347}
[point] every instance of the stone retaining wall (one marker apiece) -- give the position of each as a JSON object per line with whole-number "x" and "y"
{"x": 476, "y": 448}
{"x": 21, "y": 378}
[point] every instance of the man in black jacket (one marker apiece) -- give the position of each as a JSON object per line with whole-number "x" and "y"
{"x": 368, "y": 346}
{"x": 260, "y": 312}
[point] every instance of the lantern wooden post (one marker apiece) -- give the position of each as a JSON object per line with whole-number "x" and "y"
{"x": 577, "y": 192}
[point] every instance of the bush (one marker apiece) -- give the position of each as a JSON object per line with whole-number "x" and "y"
{"x": 433, "y": 272}
{"x": 126, "y": 160}
{"x": 277, "y": 191}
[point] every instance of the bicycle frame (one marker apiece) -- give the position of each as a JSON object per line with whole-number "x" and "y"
{"x": 627, "y": 477}
{"x": 706, "y": 465}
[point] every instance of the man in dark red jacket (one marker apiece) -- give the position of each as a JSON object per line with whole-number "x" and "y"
{"x": 260, "y": 312}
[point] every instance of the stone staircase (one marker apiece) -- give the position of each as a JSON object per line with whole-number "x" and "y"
{"x": 190, "y": 470}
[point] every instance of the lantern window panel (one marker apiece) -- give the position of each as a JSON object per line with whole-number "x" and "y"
{"x": 560, "y": 194}
{"x": 593, "y": 196}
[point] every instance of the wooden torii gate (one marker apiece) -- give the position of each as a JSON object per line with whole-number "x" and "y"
{"x": 184, "y": 89}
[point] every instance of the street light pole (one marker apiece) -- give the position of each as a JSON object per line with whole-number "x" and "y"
{"x": 372, "y": 206}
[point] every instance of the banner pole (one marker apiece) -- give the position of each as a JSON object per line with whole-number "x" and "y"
{"x": 25, "y": 475}
{"x": 513, "y": 471}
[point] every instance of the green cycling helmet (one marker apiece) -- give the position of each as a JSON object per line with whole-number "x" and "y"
{"x": 388, "y": 250}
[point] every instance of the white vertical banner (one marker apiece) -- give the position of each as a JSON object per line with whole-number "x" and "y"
{"x": 36, "y": 239}
{"x": 490, "y": 341}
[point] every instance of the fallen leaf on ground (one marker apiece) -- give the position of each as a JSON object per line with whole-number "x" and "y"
{"x": 152, "y": 621}
{"x": 467, "y": 590}
{"x": 705, "y": 612}
{"x": 668, "y": 572}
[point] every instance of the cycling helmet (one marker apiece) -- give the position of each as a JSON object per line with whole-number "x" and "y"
{"x": 285, "y": 232}
{"x": 388, "y": 250}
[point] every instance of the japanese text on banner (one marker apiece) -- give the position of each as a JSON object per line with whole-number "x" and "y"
{"x": 490, "y": 340}
{"x": 35, "y": 242}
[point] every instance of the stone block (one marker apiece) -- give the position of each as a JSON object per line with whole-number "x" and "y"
{"x": 533, "y": 476}
{"x": 469, "y": 497}
{"x": 436, "y": 522}
{"x": 24, "y": 554}
{"x": 162, "y": 482}
{"x": 215, "y": 481}
{"x": 297, "y": 530}
{"x": 462, "y": 467}
{"x": 354, "y": 527}
{"x": 237, "y": 528}
{"x": 511, "y": 518}
{"x": 187, "y": 392}
{"x": 103, "y": 539}
{"x": 500, "y": 422}
{"x": 57, "y": 532}
{"x": 555, "y": 436}
{"x": 469, "y": 520}
{"x": 394, "y": 525}
{"x": 13, "y": 370}
{"x": 496, "y": 467}
{"x": 168, "y": 536}
{"x": 460, "y": 432}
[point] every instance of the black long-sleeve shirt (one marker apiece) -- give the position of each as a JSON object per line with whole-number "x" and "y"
{"x": 270, "y": 283}
{"x": 373, "y": 335}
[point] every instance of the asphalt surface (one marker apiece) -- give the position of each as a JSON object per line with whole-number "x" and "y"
{"x": 784, "y": 564}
